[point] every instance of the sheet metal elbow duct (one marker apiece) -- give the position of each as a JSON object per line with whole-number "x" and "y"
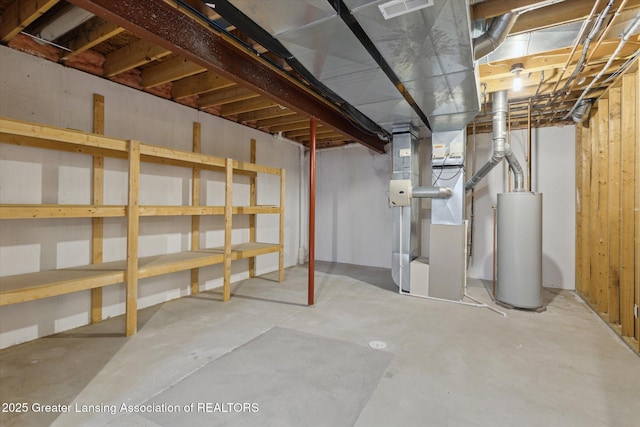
{"x": 494, "y": 36}
{"x": 501, "y": 148}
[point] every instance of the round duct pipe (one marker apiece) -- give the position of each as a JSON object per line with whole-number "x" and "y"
{"x": 582, "y": 111}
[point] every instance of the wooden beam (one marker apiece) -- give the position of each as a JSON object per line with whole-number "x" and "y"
{"x": 228, "y": 229}
{"x": 593, "y": 208}
{"x": 165, "y": 24}
{"x": 199, "y": 83}
{"x": 282, "y": 120}
{"x": 637, "y": 208}
{"x": 131, "y": 56}
{"x": 246, "y": 106}
{"x": 253, "y": 201}
{"x": 281, "y": 226}
{"x": 554, "y": 59}
{"x": 585, "y": 206}
{"x": 267, "y": 113}
{"x": 613, "y": 204}
{"x": 20, "y": 14}
{"x": 603, "y": 200}
{"x": 297, "y": 125}
{"x": 131, "y": 274}
{"x": 492, "y": 8}
{"x": 195, "y": 201}
{"x": 86, "y": 40}
{"x": 168, "y": 71}
{"x": 97, "y": 224}
{"x": 225, "y": 96}
{"x": 560, "y": 13}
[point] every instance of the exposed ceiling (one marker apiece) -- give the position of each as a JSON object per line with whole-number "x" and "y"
{"x": 187, "y": 52}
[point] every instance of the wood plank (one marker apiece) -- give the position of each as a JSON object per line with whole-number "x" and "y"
{"x": 86, "y": 40}
{"x": 282, "y": 222}
{"x": 228, "y": 229}
{"x": 195, "y": 211}
{"x": 298, "y": 125}
{"x": 225, "y": 96}
{"x": 593, "y": 208}
{"x": 44, "y": 284}
{"x": 246, "y": 106}
{"x": 76, "y": 139}
{"x": 195, "y": 201}
{"x": 131, "y": 56}
{"x": 189, "y": 158}
{"x": 168, "y": 71}
{"x": 614, "y": 204}
{"x": 199, "y": 83}
{"x": 627, "y": 204}
{"x": 20, "y": 14}
{"x": 180, "y": 261}
{"x": 637, "y": 208}
{"x": 579, "y": 285}
{"x": 248, "y": 250}
{"x": 253, "y": 201}
{"x": 60, "y": 211}
{"x": 264, "y": 114}
{"x": 603, "y": 200}
{"x": 97, "y": 189}
{"x": 586, "y": 211}
{"x": 131, "y": 273}
{"x": 280, "y": 120}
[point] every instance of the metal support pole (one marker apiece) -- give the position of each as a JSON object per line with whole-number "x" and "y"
{"x": 312, "y": 209}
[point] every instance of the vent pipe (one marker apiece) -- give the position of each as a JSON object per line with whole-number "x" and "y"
{"x": 501, "y": 148}
{"x": 494, "y": 36}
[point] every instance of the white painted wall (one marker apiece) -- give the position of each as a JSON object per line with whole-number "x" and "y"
{"x": 37, "y": 90}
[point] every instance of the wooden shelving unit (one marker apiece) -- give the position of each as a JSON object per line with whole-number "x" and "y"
{"x": 44, "y": 284}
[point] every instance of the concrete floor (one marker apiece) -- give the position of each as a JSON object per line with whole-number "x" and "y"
{"x": 445, "y": 364}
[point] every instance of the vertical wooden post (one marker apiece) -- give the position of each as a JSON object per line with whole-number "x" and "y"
{"x": 97, "y": 224}
{"x": 614, "y": 205}
{"x": 131, "y": 275}
{"x": 281, "y": 238}
{"x": 593, "y": 207}
{"x": 628, "y": 153}
{"x": 252, "y": 202}
{"x": 228, "y": 229}
{"x": 312, "y": 211}
{"x": 637, "y": 202}
{"x": 579, "y": 207}
{"x": 603, "y": 200}
{"x": 585, "y": 211}
{"x": 195, "y": 201}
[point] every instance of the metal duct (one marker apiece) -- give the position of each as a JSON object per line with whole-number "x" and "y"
{"x": 431, "y": 192}
{"x": 500, "y": 147}
{"x": 494, "y": 36}
{"x": 582, "y": 111}
{"x": 63, "y": 21}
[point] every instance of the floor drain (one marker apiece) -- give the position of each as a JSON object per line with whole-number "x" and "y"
{"x": 378, "y": 345}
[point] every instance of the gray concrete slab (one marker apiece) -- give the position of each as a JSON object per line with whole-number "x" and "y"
{"x": 450, "y": 364}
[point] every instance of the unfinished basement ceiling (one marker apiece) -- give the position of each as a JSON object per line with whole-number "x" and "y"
{"x": 185, "y": 51}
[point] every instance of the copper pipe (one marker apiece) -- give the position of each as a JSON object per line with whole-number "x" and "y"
{"x": 312, "y": 210}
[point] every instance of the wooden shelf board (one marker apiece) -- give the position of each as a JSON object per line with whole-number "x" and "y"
{"x": 19, "y": 211}
{"x": 48, "y": 283}
{"x": 20, "y": 129}
{"x": 179, "y": 261}
{"x": 249, "y": 250}
{"x": 180, "y": 210}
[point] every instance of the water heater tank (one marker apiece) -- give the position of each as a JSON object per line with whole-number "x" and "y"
{"x": 520, "y": 250}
